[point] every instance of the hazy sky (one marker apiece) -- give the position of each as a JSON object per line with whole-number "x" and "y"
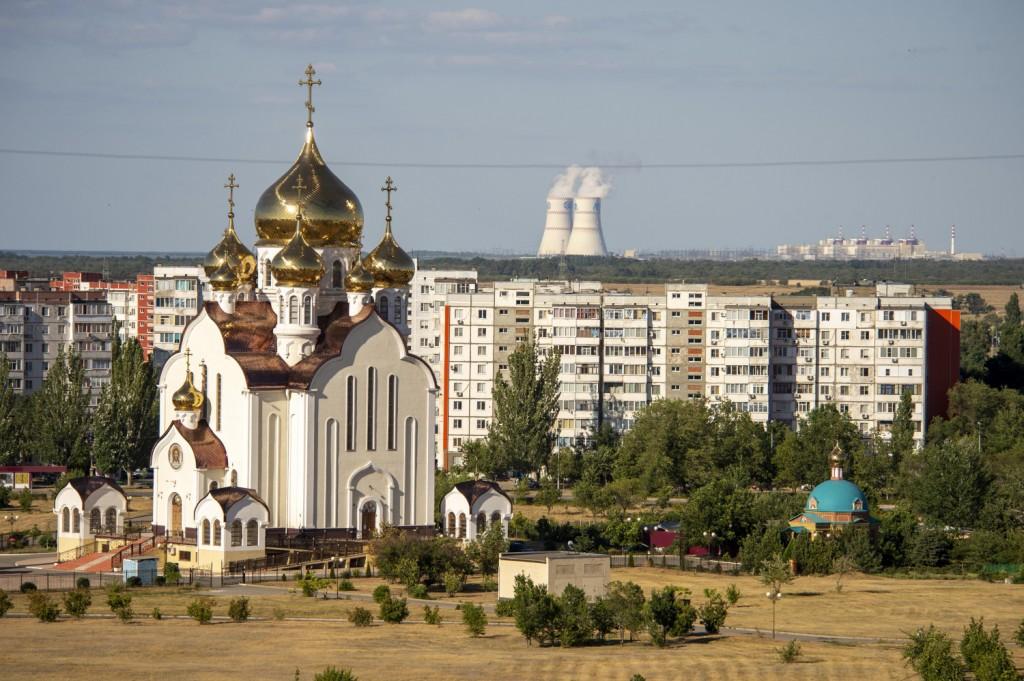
{"x": 547, "y": 83}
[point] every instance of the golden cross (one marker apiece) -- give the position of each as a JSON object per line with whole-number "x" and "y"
{"x": 309, "y": 83}
{"x": 188, "y": 363}
{"x": 298, "y": 187}
{"x": 231, "y": 186}
{"x": 389, "y": 186}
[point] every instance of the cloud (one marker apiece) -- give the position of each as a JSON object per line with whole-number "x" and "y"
{"x": 469, "y": 19}
{"x": 588, "y": 182}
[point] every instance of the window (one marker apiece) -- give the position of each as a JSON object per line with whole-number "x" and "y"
{"x": 336, "y": 278}
{"x": 495, "y": 518}
{"x": 252, "y": 533}
{"x": 481, "y": 523}
{"x": 94, "y": 521}
{"x": 382, "y": 307}
{"x": 462, "y": 526}
{"x": 392, "y": 412}
{"x": 76, "y": 520}
{"x": 293, "y": 310}
{"x": 481, "y": 314}
{"x": 236, "y": 532}
{"x": 65, "y": 519}
{"x": 371, "y": 408}
{"x": 307, "y": 310}
{"x": 451, "y": 524}
{"x": 110, "y": 520}
{"x": 216, "y": 533}
{"x": 350, "y": 414}
{"x": 206, "y": 533}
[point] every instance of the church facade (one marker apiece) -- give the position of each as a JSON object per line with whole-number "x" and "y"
{"x": 293, "y": 395}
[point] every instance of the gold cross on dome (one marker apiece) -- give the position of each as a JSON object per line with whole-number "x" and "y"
{"x": 188, "y": 358}
{"x": 309, "y": 83}
{"x": 389, "y": 186}
{"x": 231, "y": 186}
{"x": 298, "y": 187}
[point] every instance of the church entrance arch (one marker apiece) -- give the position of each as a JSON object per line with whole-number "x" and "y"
{"x": 368, "y": 519}
{"x": 175, "y": 523}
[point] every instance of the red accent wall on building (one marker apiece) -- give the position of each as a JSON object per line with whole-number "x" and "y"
{"x": 943, "y": 356}
{"x": 444, "y": 390}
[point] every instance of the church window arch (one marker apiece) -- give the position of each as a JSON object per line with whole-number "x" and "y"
{"x": 252, "y": 533}
{"x": 392, "y": 412}
{"x": 496, "y": 518}
{"x": 451, "y": 524}
{"x": 236, "y": 532}
{"x": 175, "y": 520}
{"x": 234, "y": 478}
{"x": 110, "y": 520}
{"x": 411, "y": 442}
{"x": 94, "y": 521}
{"x": 350, "y": 414}
{"x": 65, "y": 519}
{"x": 382, "y": 307}
{"x": 293, "y": 310}
{"x": 266, "y": 273}
{"x": 76, "y": 521}
{"x": 462, "y": 526}
{"x": 858, "y": 505}
{"x": 206, "y": 531}
{"x": 396, "y": 315}
{"x": 216, "y": 533}
{"x": 307, "y": 310}
{"x": 330, "y": 470}
{"x": 371, "y": 408}
{"x": 481, "y": 523}
{"x": 336, "y": 274}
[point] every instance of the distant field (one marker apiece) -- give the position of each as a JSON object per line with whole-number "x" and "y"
{"x": 868, "y": 606}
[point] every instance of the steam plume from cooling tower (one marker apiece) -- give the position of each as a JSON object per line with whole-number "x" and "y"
{"x": 577, "y": 191}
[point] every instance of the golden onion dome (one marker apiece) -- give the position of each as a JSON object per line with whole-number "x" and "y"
{"x": 187, "y": 398}
{"x": 333, "y": 214}
{"x": 358, "y": 279}
{"x": 298, "y": 263}
{"x": 224, "y": 278}
{"x": 230, "y": 249}
{"x": 389, "y": 264}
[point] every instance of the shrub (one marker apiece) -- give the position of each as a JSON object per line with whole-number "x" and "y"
{"x": 278, "y": 614}
{"x": 346, "y": 574}
{"x": 474, "y": 618}
{"x": 1018, "y": 637}
{"x": 157, "y": 615}
{"x": 930, "y": 653}
{"x": 346, "y": 585}
{"x": 77, "y": 602}
{"x": 432, "y": 615}
{"x": 47, "y": 540}
{"x": 120, "y": 602}
{"x": 789, "y": 652}
{"x": 418, "y": 591}
{"x": 238, "y": 609}
{"x": 171, "y": 573}
{"x": 134, "y": 581}
{"x": 43, "y": 607}
{"x": 732, "y": 595}
{"x": 505, "y": 607}
{"x": 201, "y": 609}
{"x": 394, "y": 610}
{"x": 82, "y": 583}
{"x": 334, "y": 674}
{"x": 25, "y": 500}
{"x": 5, "y": 495}
{"x": 28, "y": 587}
{"x": 361, "y": 617}
{"x": 311, "y": 585}
{"x": 489, "y": 583}
{"x": 985, "y": 655}
{"x": 712, "y": 614}
{"x": 602, "y": 618}
{"x": 160, "y": 580}
{"x": 5, "y": 603}
{"x": 573, "y": 622}
{"x": 381, "y": 594}
{"x": 453, "y": 582}
{"x": 637, "y": 677}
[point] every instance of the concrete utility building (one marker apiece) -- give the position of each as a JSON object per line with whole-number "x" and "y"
{"x": 555, "y": 570}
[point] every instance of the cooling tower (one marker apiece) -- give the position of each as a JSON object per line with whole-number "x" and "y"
{"x": 586, "y": 237}
{"x": 556, "y": 227}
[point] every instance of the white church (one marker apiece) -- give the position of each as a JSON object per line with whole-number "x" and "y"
{"x": 293, "y": 403}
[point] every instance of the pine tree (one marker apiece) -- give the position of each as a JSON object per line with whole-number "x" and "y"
{"x": 902, "y": 433}
{"x": 10, "y": 426}
{"x": 525, "y": 407}
{"x": 60, "y": 411}
{"x": 125, "y": 423}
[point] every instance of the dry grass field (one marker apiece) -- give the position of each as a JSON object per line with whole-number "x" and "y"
{"x": 42, "y": 515}
{"x": 872, "y": 607}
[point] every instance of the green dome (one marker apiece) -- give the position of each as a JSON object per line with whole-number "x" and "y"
{"x": 836, "y": 496}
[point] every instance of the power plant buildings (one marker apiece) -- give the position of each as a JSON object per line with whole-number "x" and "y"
{"x": 572, "y": 227}
{"x": 863, "y": 248}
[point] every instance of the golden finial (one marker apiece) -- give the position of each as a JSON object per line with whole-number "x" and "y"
{"x": 389, "y": 186}
{"x": 231, "y": 186}
{"x": 309, "y": 83}
{"x": 187, "y": 398}
{"x": 298, "y": 187}
{"x": 188, "y": 360}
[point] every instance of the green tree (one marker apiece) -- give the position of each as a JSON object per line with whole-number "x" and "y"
{"x": 125, "y": 422}
{"x": 947, "y": 482}
{"x": 724, "y": 507}
{"x": 574, "y": 623}
{"x": 525, "y": 407}
{"x": 485, "y": 550}
{"x": 335, "y": 674}
{"x": 901, "y": 440}
{"x": 548, "y": 495}
{"x": 478, "y": 457}
{"x": 930, "y": 653}
{"x": 802, "y": 458}
{"x": 474, "y": 618}
{"x": 774, "y": 573}
{"x": 975, "y": 347}
{"x": 12, "y": 417}
{"x": 657, "y": 449}
{"x": 626, "y": 602}
{"x": 61, "y": 419}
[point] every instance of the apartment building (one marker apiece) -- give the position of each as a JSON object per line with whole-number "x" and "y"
{"x": 776, "y": 358}
{"x": 36, "y": 325}
{"x": 131, "y": 302}
{"x": 177, "y": 298}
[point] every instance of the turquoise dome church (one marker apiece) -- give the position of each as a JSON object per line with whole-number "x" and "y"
{"x": 833, "y": 504}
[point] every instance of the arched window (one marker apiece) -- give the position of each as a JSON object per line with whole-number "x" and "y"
{"x": 336, "y": 274}
{"x": 451, "y": 524}
{"x": 216, "y": 533}
{"x": 496, "y": 519}
{"x": 252, "y": 533}
{"x": 293, "y": 310}
{"x": 266, "y": 273}
{"x": 175, "y": 513}
{"x": 307, "y": 310}
{"x": 371, "y": 408}
{"x": 110, "y": 520}
{"x": 462, "y": 526}
{"x": 382, "y": 307}
{"x": 76, "y": 521}
{"x": 94, "y": 521}
{"x": 858, "y": 505}
{"x": 481, "y": 523}
{"x": 350, "y": 414}
{"x": 65, "y": 519}
{"x": 397, "y": 314}
{"x": 236, "y": 532}
{"x": 392, "y": 412}
{"x": 206, "y": 532}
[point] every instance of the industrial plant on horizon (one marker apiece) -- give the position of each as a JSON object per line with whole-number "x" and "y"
{"x": 573, "y": 223}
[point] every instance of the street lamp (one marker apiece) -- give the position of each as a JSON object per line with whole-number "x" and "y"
{"x": 774, "y": 594}
{"x": 709, "y": 538}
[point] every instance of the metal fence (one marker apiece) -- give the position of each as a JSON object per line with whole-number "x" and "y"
{"x": 667, "y": 560}
{"x": 55, "y": 581}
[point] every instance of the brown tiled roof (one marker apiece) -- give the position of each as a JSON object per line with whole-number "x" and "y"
{"x": 206, "y": 446}
{"x": 229, "y": 496}
{"x": 85, "y": 486}
{"x": 474, "y": 489}
{"x": 332, "y": 337}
